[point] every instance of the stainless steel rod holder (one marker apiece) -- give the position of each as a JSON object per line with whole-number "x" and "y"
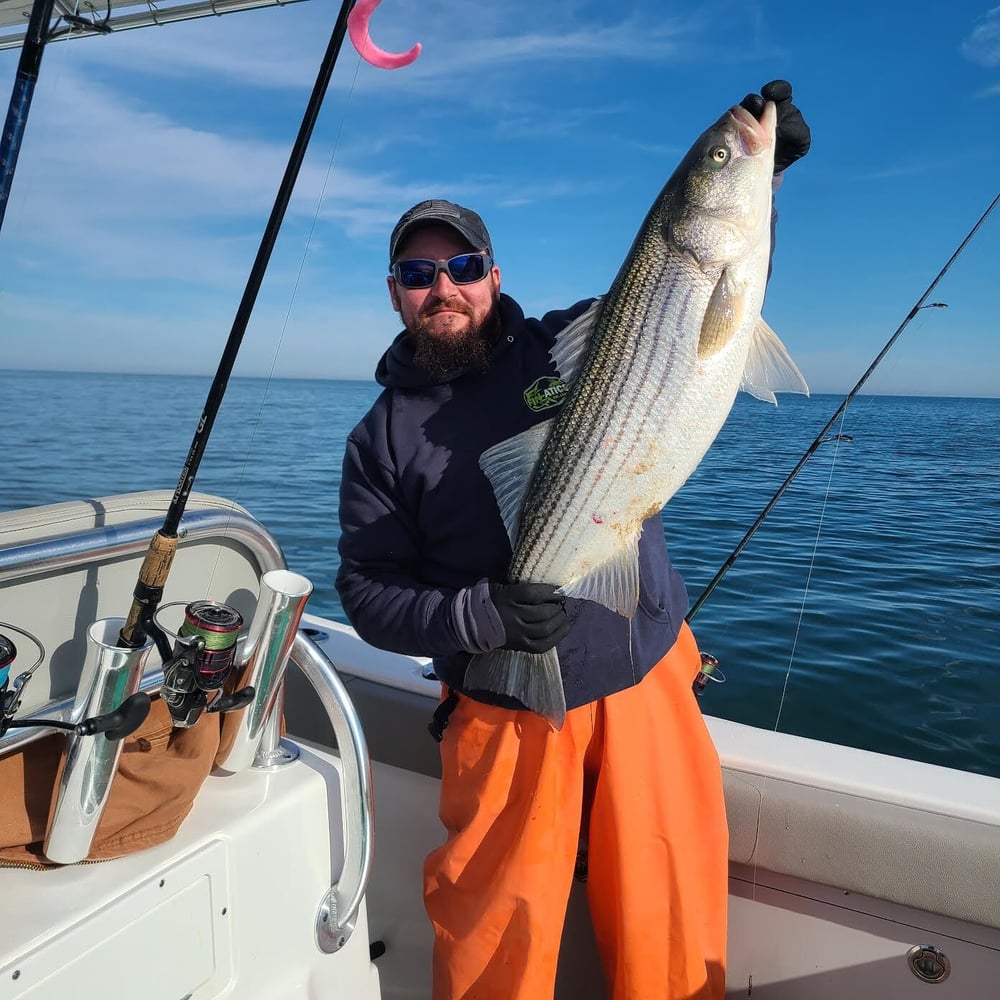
{"x": 272, "y": 751}
{"x": 109, "y": 676}
{"x": 265, "y": 651}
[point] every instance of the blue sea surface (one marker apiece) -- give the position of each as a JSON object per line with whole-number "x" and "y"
{"x": 865, "y": 611}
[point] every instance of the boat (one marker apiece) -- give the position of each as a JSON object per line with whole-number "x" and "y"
{"x": 299, "y": 875}
{"x": 297, "y": 871}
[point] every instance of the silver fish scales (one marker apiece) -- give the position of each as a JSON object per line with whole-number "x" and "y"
{"x": 653, "y": 369}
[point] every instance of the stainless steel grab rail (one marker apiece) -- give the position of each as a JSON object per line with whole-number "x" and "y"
{"x": 338, "y": 911}
{"x": 339, "y": 908}
{"x": 116, "y": 540}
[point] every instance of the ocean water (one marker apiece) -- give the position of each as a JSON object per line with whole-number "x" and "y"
{"x": 865, "y": 611}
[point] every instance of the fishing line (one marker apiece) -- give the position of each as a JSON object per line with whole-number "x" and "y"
{"x": 837, "y": 439}
{"x": 163, "y": 545}
{"x": 765, "y": 779}
{"x": 257, "y": 421}
{"x": 921, "y": 303}
{"x": 809, "y": 573}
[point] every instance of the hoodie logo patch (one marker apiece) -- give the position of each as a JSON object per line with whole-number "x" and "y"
{"x": 545, "y": 392}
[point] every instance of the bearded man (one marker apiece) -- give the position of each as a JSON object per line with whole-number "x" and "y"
{"x": 423, "y": 555}
{"x": 632, "y": 782}
{"x": 450, "y": 312}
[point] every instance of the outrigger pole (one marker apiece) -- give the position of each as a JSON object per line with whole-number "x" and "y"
{"x": 163, "y": 545}
{"x": 20, "y": 100}
{"x": 822, "y": 436}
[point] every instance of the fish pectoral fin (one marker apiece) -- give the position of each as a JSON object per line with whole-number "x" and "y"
{"x": 723, "y": 316}
{"x": 508, "y": 466}
{"x": 614, "y": 583}
{"x": 769, "y": 368}
{"x": 572, "y": 342}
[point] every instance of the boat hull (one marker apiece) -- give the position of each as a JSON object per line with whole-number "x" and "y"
{"x": 842, "y": 861}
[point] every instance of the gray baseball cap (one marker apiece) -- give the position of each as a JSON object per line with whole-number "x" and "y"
{"x": 437, "y": 212}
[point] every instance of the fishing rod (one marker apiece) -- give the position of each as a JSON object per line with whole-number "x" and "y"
{"x": 20, "y": 101}
{"x": 822, "y": 436}
{"x": 163, "y": 545}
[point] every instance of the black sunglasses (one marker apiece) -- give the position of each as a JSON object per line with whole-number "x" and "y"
{"x": 464, "y": 269}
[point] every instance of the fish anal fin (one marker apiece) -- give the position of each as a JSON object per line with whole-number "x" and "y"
{"x": 723, "y": 316}
{"x": 769, "y": 368}
{"x": 614, "y": 582}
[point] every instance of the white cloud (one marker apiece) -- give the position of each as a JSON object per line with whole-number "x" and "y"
{"x": 282, "y": 48}
{"x": 983, "y": 45}
{"x": 92, "y": 131}
{"x": 152, "y": 159}
{"x": 153, "y": 194}
{"x": 107, "y": 186}
{"x": 904, "y": 170}
{"x": 259, "y": 48}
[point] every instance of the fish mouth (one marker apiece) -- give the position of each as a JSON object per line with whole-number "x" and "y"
{"x": 755, "y": 136}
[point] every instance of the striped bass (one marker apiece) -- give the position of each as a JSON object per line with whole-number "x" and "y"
{"x": 653, "y": 368}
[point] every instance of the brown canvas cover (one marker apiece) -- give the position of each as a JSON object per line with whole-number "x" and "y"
{"x": 160, "y": 772}
{"x": 161, "y": 769}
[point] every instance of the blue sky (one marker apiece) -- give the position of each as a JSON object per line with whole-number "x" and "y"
{"x": 152, "y": 158}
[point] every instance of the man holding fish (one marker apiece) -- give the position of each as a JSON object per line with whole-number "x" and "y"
{"x": 500, "y": 513}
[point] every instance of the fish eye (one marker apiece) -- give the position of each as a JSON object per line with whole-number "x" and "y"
{"x": 719, "y": 154}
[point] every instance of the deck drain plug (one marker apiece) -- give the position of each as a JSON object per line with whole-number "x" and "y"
{"x": 928, "y": 964}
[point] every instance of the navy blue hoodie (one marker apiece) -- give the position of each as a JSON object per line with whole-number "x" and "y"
{"x": 421, "y": 534}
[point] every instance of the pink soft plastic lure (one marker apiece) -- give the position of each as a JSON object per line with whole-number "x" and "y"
{"x": 357, "y": 28}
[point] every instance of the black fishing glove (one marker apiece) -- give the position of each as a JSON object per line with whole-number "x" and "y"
{"x": 533, "y": 616}
{"x": 793, "y": 138}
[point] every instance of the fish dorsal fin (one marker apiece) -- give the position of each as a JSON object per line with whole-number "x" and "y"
{"x": 572, "y": 342}
{"x": 723, "y": 316}
{"x": 769, "y": 368}
{"x": 614, "y": 583}
{"x": 508, "y": 466}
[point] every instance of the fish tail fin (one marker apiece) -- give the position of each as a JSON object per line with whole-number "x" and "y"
{"x": 533, "y": 679}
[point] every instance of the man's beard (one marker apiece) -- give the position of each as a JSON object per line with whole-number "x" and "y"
{"x": 441, "y": 356}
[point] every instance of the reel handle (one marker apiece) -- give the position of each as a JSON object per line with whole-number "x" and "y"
{"x": 116, "y": 725}
{"x": 122, "y": 722}
{"x": 231, "y": 702}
